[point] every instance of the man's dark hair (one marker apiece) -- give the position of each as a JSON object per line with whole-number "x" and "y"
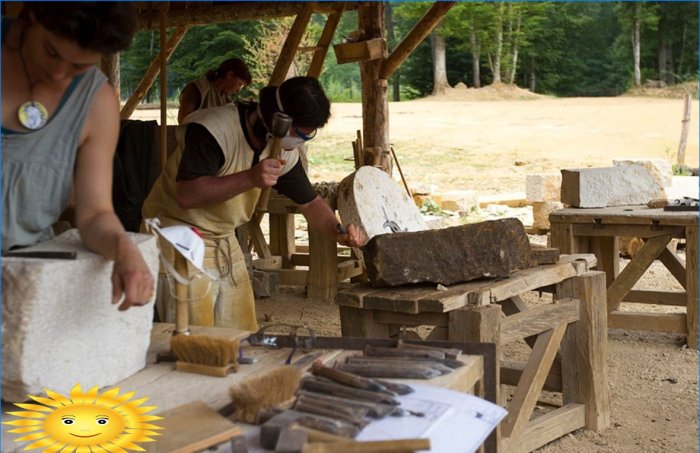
{"x": 302, "y": 98}
{"x": 104, "y": 27}
{"x": 234, "y": 65}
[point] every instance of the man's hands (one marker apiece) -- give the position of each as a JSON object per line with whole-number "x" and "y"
{"x": 266, "y": 172}
{"x": 351, "y": 236}
{"x": 132, "y": 282}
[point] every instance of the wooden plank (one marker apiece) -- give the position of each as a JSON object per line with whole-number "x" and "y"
{"x": 675, "y": 266}
{"x": 151, "y": 73}
{"x": 414, "y": 37}
{"x": 405, "y": 299}
{"x": 515, "y": 305}
{"x": 691, "y": 260}
{"x": 512, "y": 371}
{"x": 624, "y": 215}
{"x": 190, "y": 428}
{"x": 618, "y": 288}
{"x": 289, "y": 48}
{"x": 268, "y": 264}
{"x": 670, "y": 298}
{"x": 324, "y": 41}
{"x": 548, "y": 427}
{"x": 349, "y": 269}
{"x": 323, "y": 268}
{"x": 643, "y": 231}
{"x": 292, "y": 277}
{"x": 356, "y": 322}
{"x": 411, "y": 320}
{"x": 532, "y": 381}
{"x": 354, "y": 296}
{"x": 584, "y": 350}
{"x": 655, "y": 322}
{"x": 538, "y": 319}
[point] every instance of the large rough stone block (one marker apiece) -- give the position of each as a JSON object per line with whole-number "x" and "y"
{"x": 544, "y": 187}
{"x": 452, "y": 255}
{"x": 370, "y": 199}
{"x": 541, "y": 211}
{"x": 659, "y": 169}
{"x": 609, "y": 186}
{"x": 59, "y": 327}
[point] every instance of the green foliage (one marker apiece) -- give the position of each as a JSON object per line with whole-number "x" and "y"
{"x": 681, "y": 170}
{"x": 429, "y": 206}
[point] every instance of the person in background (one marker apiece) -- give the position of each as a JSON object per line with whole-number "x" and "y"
{"x": 215, "y": 88}
{"x": 60, "y": 121}
{"x": 214, "y": 178}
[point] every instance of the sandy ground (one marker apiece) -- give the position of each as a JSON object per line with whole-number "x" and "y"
{"x": 488, "y": 143}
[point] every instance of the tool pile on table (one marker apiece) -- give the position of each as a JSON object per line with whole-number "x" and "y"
{"x": 335, "y": 404}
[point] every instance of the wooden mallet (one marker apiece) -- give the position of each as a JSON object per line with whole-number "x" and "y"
{"x": 280, "y": 126}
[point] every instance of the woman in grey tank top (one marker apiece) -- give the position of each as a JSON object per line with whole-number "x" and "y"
{"x": 60, "y": 123}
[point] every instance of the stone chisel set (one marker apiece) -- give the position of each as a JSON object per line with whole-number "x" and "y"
{"x": 343, "y": 399}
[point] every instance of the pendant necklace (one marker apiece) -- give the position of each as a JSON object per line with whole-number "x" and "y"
{"x": 32, "y": 114}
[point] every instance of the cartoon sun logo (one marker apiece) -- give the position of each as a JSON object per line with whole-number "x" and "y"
{"x": 85, "y": 422}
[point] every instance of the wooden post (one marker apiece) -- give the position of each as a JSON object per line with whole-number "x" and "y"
{"x": 282, "y": 241}
{"x": 375, "y": 107}
{"x": 356, "y": 322}
{"x": 110, "y": 66}
{"x": 323, "y": 42}
{"x": 684, "y": 130}
{"x": 584, "y": 349}
{"x": 163, "y": 87}
{"x": 151, "y": 73}
{"x": 423, "y": 27}
{"x": 691, "y": 280}
{"x": 322, "y": 282}
{"x": 289, "y": 48}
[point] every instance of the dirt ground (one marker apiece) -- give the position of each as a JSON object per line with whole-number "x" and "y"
{"x": 488, "y": 140}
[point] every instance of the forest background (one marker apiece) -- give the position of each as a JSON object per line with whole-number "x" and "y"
{"x": 554, "y": 48}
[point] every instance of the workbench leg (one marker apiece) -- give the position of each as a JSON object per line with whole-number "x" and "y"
{"x": 323, "y": 266}
{"x": 691, "y": 279}
{"x": 483, "y": 325}
{"x": 607, "y": 252}
{"x": 282, "y": 241}
{"x": 355, "y": 322}
{"x": 584, "y": 349}
{"x": 562, "y": 237}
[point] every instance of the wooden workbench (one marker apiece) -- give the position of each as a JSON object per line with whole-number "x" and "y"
{"x": 598, "y": 231}
{"x": 573, "y": 328}
{"x": 168, "y": 389}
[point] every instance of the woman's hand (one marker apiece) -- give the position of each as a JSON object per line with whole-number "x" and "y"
{"x": 132, "y": 282}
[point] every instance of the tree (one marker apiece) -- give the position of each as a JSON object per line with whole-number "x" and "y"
{"x": 437, "y": 45}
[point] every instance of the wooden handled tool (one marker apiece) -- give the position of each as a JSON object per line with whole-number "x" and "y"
{"x": 280, "y": 126}
{"x": 320, "y": 385}
{"x": 318, "y": 369}
{"x": 383, "y": 446}
{"x": 182, "y": 316}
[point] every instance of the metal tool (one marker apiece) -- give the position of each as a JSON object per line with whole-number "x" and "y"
{"x": 393, "y": 226}
{"x": 279, "y": 128}
{"x": 54, "y": 255}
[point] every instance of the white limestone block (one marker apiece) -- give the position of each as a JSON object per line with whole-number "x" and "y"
{"x": 59, "y": 327}
{"x": 659, "y": 169}
{"x": 370, "y": 199}
{"x": 683, "y": 186}
{"x": 541, "y": 211}
{"x": 609, "y": 186}
{"x": 459, "y": 200}
{"x": 542, "y": 187}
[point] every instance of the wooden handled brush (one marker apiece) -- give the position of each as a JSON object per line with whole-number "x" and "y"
{"x": 201, "y": 354}
{"x": 263, "y": 392}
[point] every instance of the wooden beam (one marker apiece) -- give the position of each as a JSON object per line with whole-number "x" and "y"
{"x": 163, "y": 59}
{"x": 548, "y": 427}
{"x": 191, "y": 13}
{"x": 668, "y": 298}
{"x": 538, "y": 319}
{"x": 323, "y": 42}
{"x": 423, "y": 27}
{"x": 110, "y": 66}
{"x": 674, "y": 265}
{"x": 151, "y": 73}
{"x": 289, "y": 48}
{"x": 691, "y": 264}
{"x": 654, "y": 322}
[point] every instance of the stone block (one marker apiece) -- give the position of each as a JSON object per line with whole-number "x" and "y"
{"x": 265, "y": 284}
{"x": 659, "y": 169}
{"x": 544, "y": 187}
{"x": 459, "y": 200}
{"x": 370, "y": 199}
{"x": 451, "y": 255}
{"x": 609, "y": 186}
{"x": 59, "y": 326}
{"x": 541, "y": 211}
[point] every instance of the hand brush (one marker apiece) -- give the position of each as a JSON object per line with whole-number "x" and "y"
{"x": 263, "y": 392}
{"x": 201, "y": 354}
